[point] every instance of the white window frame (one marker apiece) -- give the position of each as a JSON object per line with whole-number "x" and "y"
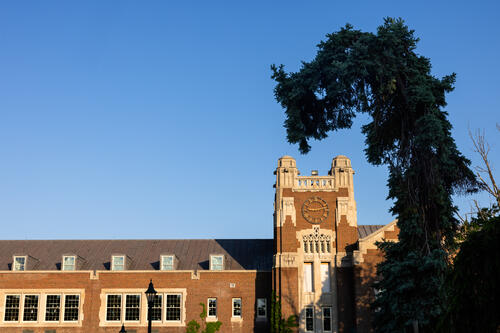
{"x": 60, "y": 308}
{"x": 162, "y": 260}
{"x": 124, "y": 306}
{"x": 212, "y": 262}
{"x": 122, "y": 292}
{"x": 14, "y": 267}
{"x": 325, "y": 278}
{"x": 19, "y": 308}
{"x": 232, "y": 307}
{"x": 121, "y": 308}
{"x": 265, "y": 308}
{"x": 113, "y": 268}
{"x": 63, "y": 265}
{"x": 37, "y": 308}
{"x": 305, "y": 318}
{"x": 323, "y": 318}
{"x": 161, "y": 308}
{"x": 63, "y": 308}
{"x": 208, "y": 307}
{"x": 180, "y": 307}
{"x": 42, "y": 306}
{"x": 308, "y": 279}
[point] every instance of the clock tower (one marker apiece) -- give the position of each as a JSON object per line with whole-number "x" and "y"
{"x": 315, "y": 234}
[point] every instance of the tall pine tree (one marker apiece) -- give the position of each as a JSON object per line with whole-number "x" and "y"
{"x": 380, "y": 74}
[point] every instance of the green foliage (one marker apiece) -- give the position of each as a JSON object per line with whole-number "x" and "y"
{"x": 380, "y": 74}
{"x": 211, "y": 327}
{"x": 278, "y": 323}
{"x": 472, "y": 287}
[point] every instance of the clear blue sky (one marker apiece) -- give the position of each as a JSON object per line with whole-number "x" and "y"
{"x": 156, "y": 119}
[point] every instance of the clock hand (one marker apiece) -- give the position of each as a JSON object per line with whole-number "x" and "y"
{"x": 316, "y": 209}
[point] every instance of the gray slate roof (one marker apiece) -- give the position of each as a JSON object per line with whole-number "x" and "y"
{"x": 365, "y": 230}
{"x": 193, "y": 254}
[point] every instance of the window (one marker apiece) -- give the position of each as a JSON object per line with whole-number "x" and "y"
{"x": 327, "y": 319}
{"x": 308, "y": 277}
{"x": 132, "y": 304}
{"x": 261, "y": 308}
{"x": 173, "y": 307}
{"x": 52, "y": 307}
{"x": 236, "y": 307}
{"x": 118, "y": 263}
{"x": 167, "y": 263}
{"x": 113, "y": 307}
{"x": 157, "y": 307}
{"x": 19, "y": 263}
{"x": 71, "y": 305}
{"x": 12, "y": 307}
{"x": 69, "y": 263}
{"x": 30, "y": 310}
{"x": 309, "y": 319}
{"x": 216, "y": 262}
{"x": 325, "y": 277}
{"x": 212, "y": 307}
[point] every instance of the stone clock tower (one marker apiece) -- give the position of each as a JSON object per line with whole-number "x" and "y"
{"x": 315, "y": 234}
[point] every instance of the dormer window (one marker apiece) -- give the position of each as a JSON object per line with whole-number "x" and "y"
{"x": 69, "y": 263}
{"x": 19, "y": 263}
{"x": 216, "y": 262}
{"x": 118, "y": 263}
{"x": 167, "y": 263}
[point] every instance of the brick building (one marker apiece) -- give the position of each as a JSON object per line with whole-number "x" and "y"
{"x": 320, "y": 262}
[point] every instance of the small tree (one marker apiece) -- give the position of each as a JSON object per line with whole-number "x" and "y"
{"x": 278, "y": 323}
{"x": 194, "y": 327}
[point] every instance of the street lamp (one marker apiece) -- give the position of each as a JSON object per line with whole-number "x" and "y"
{"x": 123, "y": 329}
{"x": 150, "y": 295}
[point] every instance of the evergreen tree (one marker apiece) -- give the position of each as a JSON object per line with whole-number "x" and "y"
{"x": 380, "y": 74}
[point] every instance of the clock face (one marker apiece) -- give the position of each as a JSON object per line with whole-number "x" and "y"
{"x": 315, "y": 210}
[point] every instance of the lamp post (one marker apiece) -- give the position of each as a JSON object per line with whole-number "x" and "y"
{"x": 150, "y": 295}
{"x": 123, "y": 330}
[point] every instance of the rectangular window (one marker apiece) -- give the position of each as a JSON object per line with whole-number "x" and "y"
{"x": 167, "y": 263}
{"x": 309, "y": 319}
{"x": 68, "y": 263}
{"x": 325, "y": 277}
{"x": 30, "y": 311}
{"x": 118, "y": 263}
{"x": 132, "y": 304}
{"x": 216, "y": 263}
{"x": 261, "y": 308}
{"x": 173, "y": 304}
{"x": 19, "y": 263}
{"x": 52, "y": 307}
{"x": 327, "y": 319}
{"x": 236, "y": 307}
{"x": 113, "y": 307}
{"x": 212, "y": 307}
{"x": 157, "y": 306}
{"x": 71, "y": 307}
{"x": 308, "y": 277}
{"x": 12, "y": 307}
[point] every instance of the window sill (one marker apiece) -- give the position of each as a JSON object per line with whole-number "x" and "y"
{"x": 236, "y": 319}
{"x": 211, "y": 319}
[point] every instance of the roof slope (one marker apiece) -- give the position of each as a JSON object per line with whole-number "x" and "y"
{"x": 193, "y": 254}
{"x": 365, "y": 230}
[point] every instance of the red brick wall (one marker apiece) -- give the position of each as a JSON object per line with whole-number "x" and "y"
{"x": 248, "y": 286}
{"x": 365, "y": 275}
